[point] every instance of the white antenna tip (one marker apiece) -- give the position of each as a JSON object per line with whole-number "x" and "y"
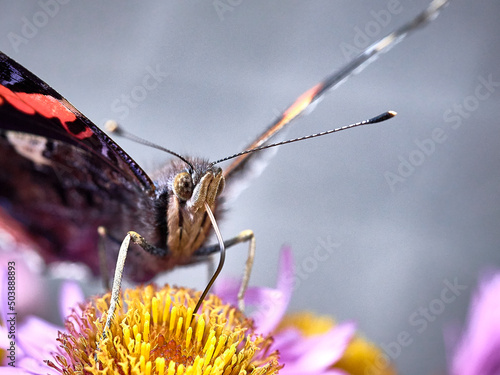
{"x": 111, "y": 126}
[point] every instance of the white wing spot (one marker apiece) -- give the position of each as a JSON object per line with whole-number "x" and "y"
{"x": 30, "y": 146}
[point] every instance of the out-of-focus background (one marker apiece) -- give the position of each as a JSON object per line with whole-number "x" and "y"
{"x": 404, "y": 209}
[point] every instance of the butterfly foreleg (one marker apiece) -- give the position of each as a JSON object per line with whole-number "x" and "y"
{"x": 115, "y": 292}
{"x": 245, "y": 236}
{"x": 117, "y": 279}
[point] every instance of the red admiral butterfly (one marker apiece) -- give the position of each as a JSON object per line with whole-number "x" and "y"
{"x": 62, "y": 178}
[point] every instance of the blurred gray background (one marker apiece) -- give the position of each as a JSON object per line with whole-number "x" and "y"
{"x": 227, "y": 75}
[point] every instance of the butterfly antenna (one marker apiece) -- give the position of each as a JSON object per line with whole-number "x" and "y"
{"x": 221, "y": 259}
{"x": 382, "y": 117}
{"x": 303, "y": 103}
{"x": 113, "y": 127}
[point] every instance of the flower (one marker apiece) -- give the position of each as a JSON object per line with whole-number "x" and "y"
{"x": 478, "y": 350}
{"x": 360, "y": 357}
{"x": 28, "y": 279}
{"x": 308, "y": 344}
{"x": 34, "y": 339}
{"x": 156, "y": 332}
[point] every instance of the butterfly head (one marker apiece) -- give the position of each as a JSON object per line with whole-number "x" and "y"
{"x": 198, "y": 184}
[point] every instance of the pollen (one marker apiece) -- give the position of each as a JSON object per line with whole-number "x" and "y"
{"x": 155, "y": 331}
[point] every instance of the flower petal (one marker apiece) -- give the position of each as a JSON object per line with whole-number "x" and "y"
{"x": 274, "y": 302}
{"x": 33, "y": 366}
{"x": 37, "y": 338}
{"x": 270, "y": 304}
{"x": 323, "y": 351}
{"x": 7, "y": 370}
{"x": 70, "y": 296}
{"x": 3, "y": 294}
{"x": 478, "y": 351}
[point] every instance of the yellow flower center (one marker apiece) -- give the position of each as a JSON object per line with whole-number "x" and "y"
{"x": 156, "y": 332}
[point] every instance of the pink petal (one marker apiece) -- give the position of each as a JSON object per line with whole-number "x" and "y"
{"x": 33, "y": 366}
{"x": 8, "y": 370}
{"x": 317, "y": 353}
{"x": 3, "y": 294}
{"x": 227, "y": 288}
{"x": 269, "y": 315}
{"x": 70, "y": 296}
{"x": 479, "y": 350}
{"x": 270, "y": 304}
{"x": 37, "y": 338}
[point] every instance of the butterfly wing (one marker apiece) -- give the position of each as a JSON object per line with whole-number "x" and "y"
{"x": 246, "y": 165}
{"x": 61, "y": 176}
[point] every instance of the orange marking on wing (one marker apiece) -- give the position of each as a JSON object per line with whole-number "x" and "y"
{"x": 300, "y": 104}
{"x": 44, "y": 105}
{"x": 292, "y": 112}
{"x": 14, "y": 100}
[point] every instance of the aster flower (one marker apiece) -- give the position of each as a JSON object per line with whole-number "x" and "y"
{"x": 155, "y": 325}
{"x": 156, "y": 332}
{"x": 34, "y": 337}
{"x": 478, "y": 350}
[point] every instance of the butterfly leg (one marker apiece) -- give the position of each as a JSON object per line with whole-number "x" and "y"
{"x": 244, "y": 236}
{"x": 117, "y": 280}
{"x": 120, "y": 264}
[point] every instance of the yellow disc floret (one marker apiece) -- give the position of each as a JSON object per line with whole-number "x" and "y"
{"x": 156, "y": 332}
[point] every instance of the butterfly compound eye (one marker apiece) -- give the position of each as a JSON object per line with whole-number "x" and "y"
{"x": 183, "y": 186}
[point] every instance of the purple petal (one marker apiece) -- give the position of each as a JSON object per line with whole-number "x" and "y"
{"x": 71, "y": 295}
{"x": 33, "y": 366}
{"x": 479, "y": 350}
{"x": 267, "y": 319}
{"x": 37, "y": 338}
{"x": 290, "y": 343}
{"x": 285, "y": 275}
{"x": 317, "y": 353}
{"x": 8, "y": 370}
{"x": 270, "y": 304}
{"x": 294, "y": 371}
{"x": 226, "y": 288}
{"x": 334, "y": 371}
{"x": 3, "y": 294}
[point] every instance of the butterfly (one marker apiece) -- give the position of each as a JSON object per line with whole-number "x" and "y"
{"x": 62, "y": 177}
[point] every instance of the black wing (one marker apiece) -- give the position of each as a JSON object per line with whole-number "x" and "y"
{"x": 60, "y": 175}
